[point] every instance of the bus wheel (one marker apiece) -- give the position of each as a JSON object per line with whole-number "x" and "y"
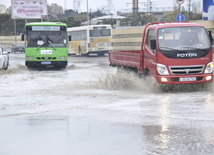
{"x": 100, "y": 54}
{"x": 87, "y": 54}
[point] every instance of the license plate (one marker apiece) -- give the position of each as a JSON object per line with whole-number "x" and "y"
{"x": 46, "y": 52}
{"x": 187, "y": 79}
{"x": 45, "y": 63}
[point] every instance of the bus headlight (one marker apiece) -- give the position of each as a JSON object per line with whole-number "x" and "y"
{"x": 62, "y": 58}
{"x": 29, "y": 58}
{"x": 209, "y": 68}
{"x": 162, "y": 70}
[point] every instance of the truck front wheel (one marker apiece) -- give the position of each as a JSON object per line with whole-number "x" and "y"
{"x": 146, "y": 73}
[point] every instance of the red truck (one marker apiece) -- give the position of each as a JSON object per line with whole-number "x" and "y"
{"x": 171, "y": 52}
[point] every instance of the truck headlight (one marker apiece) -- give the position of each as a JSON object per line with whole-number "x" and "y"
{"x": 162, "y": 70}
{"x": 209, "y": 68}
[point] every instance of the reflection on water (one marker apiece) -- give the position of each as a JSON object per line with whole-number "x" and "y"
{"x": 177, "y": 140}
{"x": 164, "y": 122}
{"x": 209, "y": 106}
{"x": 168, "y": 136}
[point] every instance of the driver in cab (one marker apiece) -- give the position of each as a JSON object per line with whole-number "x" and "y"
{"x": 189, "y": 39}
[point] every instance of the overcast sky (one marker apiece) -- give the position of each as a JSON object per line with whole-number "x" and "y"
{"x": 94, "y": 5}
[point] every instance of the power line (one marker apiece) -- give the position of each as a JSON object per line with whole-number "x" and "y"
{"x": 76, "y": 5}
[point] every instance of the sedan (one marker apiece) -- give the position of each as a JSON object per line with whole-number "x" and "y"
{"x": 4, "y": 58}
{"x": 17, "y": 47}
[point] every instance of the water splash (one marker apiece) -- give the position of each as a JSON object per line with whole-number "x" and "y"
{"x": 17, "y": 68}
{"x": 123, "y": 81}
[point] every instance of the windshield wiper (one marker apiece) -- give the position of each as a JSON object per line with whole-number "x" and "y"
{"x": 52, "y": 45}
{"x": 40, "y": 45}
{"x": 204, "y": 50}
{"x": 174, "y": 49}
{"x": 49, "y": 41}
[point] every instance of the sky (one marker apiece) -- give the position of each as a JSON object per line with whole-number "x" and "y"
{"x": 94, "y": 5}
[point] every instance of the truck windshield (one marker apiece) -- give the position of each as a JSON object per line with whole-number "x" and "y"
{"x": 46, "y": 38}
{"x": 183, "y": 38}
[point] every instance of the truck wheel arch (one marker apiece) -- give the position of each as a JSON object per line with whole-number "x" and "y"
{"x": 146, "y": 72}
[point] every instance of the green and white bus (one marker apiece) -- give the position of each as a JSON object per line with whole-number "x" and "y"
{"x": 46, "y": 44}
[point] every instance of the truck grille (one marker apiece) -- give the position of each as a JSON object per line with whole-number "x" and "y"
{"x": 187, "y": 69}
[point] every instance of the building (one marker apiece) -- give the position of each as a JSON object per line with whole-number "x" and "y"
{"x": 3, "y": 9}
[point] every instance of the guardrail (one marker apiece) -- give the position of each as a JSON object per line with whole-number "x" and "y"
{"x": 7, "y": 41}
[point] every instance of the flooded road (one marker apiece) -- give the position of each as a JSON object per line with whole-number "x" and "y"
{"x": 88, "y": 109}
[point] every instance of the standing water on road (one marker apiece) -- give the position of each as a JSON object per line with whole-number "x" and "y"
{"x": 88, "y": 108}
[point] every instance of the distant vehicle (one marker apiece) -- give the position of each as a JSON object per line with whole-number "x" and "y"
{"x": 85, "y": 40}
{"x": 17, "y": 47}
{"x": 46, "y": 44}
{"x": 4, "y": 58}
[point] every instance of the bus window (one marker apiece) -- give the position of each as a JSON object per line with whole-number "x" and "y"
{"x": 100, "y": 32}
{"x": 95, "y": 33}
{"x": 78, "y": 35}
{"x": 105, "y": 32}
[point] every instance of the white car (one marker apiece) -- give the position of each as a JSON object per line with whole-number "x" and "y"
{"x": 4, "y": 58}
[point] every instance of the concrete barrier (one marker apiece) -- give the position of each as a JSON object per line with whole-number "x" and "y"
{"x": 7, "y": 41}
{"x": 130, "y": 38}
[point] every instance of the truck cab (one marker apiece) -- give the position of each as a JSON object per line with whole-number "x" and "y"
{"x": 177, "y": 53}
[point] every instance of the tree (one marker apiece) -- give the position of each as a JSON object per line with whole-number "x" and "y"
{"x": 6, "y": 24}
{"x": 70, "y": 21}
{"x": 97, "y": 13}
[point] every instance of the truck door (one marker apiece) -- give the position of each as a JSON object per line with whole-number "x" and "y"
{"x": 149, "y": 54}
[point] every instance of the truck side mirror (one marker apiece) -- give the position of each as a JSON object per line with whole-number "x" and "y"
{"x": 69, "y": 38}
{"x": 153, "y": 44}
{"x": 22, "y": 37}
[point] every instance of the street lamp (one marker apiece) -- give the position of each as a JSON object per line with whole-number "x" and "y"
{"x": 87, "y": 12}
{"x": 111, "y": 20}
{"x": 90, "y": 17}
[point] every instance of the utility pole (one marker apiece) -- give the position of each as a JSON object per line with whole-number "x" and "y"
{"x": 65, "y": 6}
{"x": 76, "y": 5}
{"x": 135, "y": 6}
{"x": 149, "y": 7}
{"x": 189, "y": 9}
{"x": 87, "y": 12}
{"x": 90, "y": 17}
{"x": 110, "y": 7}
{"x": 150, "y": 10}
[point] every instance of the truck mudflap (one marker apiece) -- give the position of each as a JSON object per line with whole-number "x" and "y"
{"x": 125, "y": 58}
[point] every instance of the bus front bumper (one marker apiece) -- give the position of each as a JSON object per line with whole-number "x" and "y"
{"x": 46, "y": 63}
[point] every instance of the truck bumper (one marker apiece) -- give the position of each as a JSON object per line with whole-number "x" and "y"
{"x": 46, "y": 63}
{"x": 187, "y": 79}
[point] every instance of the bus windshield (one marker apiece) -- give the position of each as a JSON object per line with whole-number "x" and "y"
{"x": 183, "y": 38}
{"x": 100, "y": 32}
{"x": 46, "y": 38}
